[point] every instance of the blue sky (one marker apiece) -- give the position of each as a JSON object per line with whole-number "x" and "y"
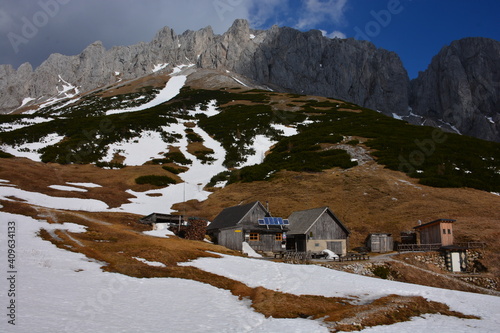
{"x": 415, "y": 29}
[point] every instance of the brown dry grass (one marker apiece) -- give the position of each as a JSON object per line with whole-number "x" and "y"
{"x": 366, "y": 198}
{"x": 127, "y": 87}
{"x": 193, "y": 147}
{"x": 369, "y": 199}
{"x": 36, "y": 177}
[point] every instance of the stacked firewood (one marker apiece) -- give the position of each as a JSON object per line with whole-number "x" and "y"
{"x": 196, "y": 229}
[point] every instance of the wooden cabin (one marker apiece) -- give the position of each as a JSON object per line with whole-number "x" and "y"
{"x": 436, "y": 232}
{"x": 249, "y": 223}
{"x": 380, "y": 242}
{"x": 316, "y": 230}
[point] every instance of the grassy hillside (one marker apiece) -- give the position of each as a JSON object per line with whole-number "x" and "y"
{"x": 434, "y": 157}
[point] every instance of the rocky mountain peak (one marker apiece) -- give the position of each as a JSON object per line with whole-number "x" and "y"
{"x": 459, "y": 89}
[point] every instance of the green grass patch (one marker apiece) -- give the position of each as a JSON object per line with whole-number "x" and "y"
{"x": 5, "y": 155}
{"x": 155, "y": 180}
{"x": 173, "y": 170}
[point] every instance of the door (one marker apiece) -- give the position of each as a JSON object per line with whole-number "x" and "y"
{"x": 455, "y": 262}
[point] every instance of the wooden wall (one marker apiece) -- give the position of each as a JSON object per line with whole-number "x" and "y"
{"x": 434, "y": 234}
{"x": 447, "y": 237}
{"x": 253, "y": 216}
{"x": 267, "y": 243}
{"x": 326, "y": 228}
{"x": 380, "y": 243}
{"x": 231, "y": 239}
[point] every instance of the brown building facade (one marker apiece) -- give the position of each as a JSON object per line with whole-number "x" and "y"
{"x": 436, "y": 232}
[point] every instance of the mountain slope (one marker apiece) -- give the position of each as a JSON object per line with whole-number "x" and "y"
{"x": 295, "y": 151}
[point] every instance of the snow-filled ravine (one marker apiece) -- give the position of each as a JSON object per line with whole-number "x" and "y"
{"x": 171, "y": 89}
{"x": 62, "y": 291}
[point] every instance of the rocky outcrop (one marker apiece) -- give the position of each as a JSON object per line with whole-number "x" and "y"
{"x": 461, "y": 87}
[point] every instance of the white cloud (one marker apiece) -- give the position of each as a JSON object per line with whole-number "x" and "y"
{"x": 264, "y": 11}
{"x": 336, "y": 34}
{"x": 333, "y": 34}
{"x": 317, "y": 11}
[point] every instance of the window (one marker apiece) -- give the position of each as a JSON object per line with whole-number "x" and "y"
{"x": 444, "y": 231}
{"x": 449, "y": 231}
{"x": 254, "y": 236}
{"x": 279, "y": 237}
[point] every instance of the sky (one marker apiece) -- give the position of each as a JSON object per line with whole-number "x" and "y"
{"x": 30, "y": 30}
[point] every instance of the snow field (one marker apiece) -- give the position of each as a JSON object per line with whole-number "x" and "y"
{"x": 170, "y": 90}
{"x": 8, "y": 127}
{"x": 317, "y": 280}
{"x": 30, "y": 149}
{"x": 67, "y": 188}
{"x": 63, "y": 291}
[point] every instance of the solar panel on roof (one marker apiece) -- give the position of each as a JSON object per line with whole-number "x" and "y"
{"x": 262, "y": 222}
{"x": 286, "y": 222}
{"x": 273, "y": 221}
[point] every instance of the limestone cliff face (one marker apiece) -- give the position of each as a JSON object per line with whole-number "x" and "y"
{"x": 283, "y": 58}
{"x": 462, "y": 87}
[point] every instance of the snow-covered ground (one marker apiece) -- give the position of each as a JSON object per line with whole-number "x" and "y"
{"x": 316, "y": 280}
{"x": 31, "y": 149}
{"x": 262, "y": 144}
{"x": 61, "y": 291}
{"x": 8, "y": 127}
{"x": 170, "y": 90}
{"x": 43, "y": 200}
{"x": 67, "y": 188}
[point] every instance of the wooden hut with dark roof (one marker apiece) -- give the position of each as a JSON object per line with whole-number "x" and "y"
{"x": 438, "y": 232}
{"x": 316, "y": 230}
{"x": 245, "y": 223}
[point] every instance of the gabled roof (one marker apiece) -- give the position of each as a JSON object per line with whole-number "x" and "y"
{"x": 231, "y": 216}
{"x": 434, "y": 222}
{"x": 161, "y": 218}
{"x": 302, "y": 221}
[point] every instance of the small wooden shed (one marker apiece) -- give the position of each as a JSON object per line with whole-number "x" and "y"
{"x": 380, "y": 242}
{"x": 246, "y": 223}
{"x": 316, "y": 230}
{"x": 439, "y": 231}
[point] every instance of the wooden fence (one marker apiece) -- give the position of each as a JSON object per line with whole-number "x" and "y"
{"x": 418, "y": 247}
{"x": 293, "y": 257}
{"x": 472, "y": 245}
{"x": 436, "y": 247}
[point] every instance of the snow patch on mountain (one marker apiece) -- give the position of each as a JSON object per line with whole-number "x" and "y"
{"x": 67, "y": 188}
{"x": 171, "y": 89}
{"x": 84, "y": 184}
{"x": 40, "y": 199}
{"x": 21, "y": 123}
{"x": 31, "y": 149}
{"x": 159, "y": 67}
{"x": 143, "y": 148}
